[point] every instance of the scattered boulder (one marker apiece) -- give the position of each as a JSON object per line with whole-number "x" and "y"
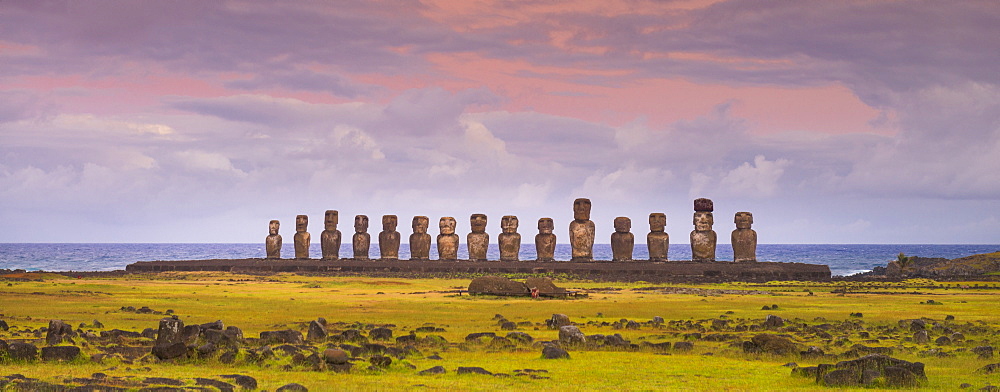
{"x": 521, "y": 337}
{"x": 773, "y": 322}
{"x": 497, "y": 285}
{"x": 434, "y": 370}
{"x": 60, "y": 353}
{"x": 478, "y": 335}
{"x": 553, "y": 352}
{"x": 292, "y": 387}
{"x": 942, "y": 341}
{"x": 380, "y": 333}
{"x": 169, "y": 331}
{"x": 571, "y": 334}
{"x": 245, "y": 382}
{"x": 988, "y": 369}
{"x": 288, "y": 336}
{"x": 870, "y": 370}
{"x": 335, "y": 356}
{"x": 770, "y": 344}
{"x": 683, "y": 346}
{"x": 58, "y": 332}
{"x": 317, "y": 332}
{"x": 508, "y": 326}
{"x": 984, "y": 352}
{"x": 557, "y": 321}
{"x": 170, "y": 350}
{"x": 19, "y": 351}
{"x": 921, "y": 337}
{"x": 220, "y": 385}
{"x": 473, "y": 370}
{"x": 380, "y": 361}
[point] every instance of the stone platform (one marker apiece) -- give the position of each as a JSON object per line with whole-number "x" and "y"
{"x": 671, "y": 271}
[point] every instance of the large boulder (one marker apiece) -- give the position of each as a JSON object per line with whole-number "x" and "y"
{"x": 553, "y": 352}
{"x": 496, "y": 285}
{"x": 335, "y": 356}
{"x": 170, "y": 350}
{"x": 544, "y": 286}
{"x": 557, "y": 321}
{"x": 380, "y": 333}
{"x": 171, "y": 330}
{"x": 770, "y": 344}
{"x": 571, "y": 335}
{"x": 288, "y": 336}
{"x": 22, "y": 351}
{"x": 58, "y": 332}
{"x": 872, "y": 370}
{"x": 60, "y": 353}
{"x": 317, "y": 332}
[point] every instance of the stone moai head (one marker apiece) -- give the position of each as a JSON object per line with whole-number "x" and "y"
{"x": 704, "y": 205}
{"x": 623, "y": 224}
{"x": 389, "y": 222}
{"x": 420, "y": 224}
{"x": 509, "y": 224}
{"x": 581, "y": 209}
{"x": 703, "y": 221}
{"x": 447, "y": 225}
{"x": 478, "y": 222}
{"x": 301, "y": 223}
{"x": 361, "y": 223}
{"x": 657, "y": 221}
{"x": 743, "y": 220}
{"x": 331, "y": 219}
{"x": 545, "y": 225}
{"x": 273, "y": 226}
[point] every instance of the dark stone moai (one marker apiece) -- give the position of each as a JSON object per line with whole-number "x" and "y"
{"x": 420, "y": 241}
{"x": 447, "y": 240}
{"x": 362, "y": 241}
{"x": 510, "y": 240}
{"x": 388, "y": 239}
{"x": 478, "y": 240}
{"x": 545, "y": 241}
{"x": 703, "y": 238}
{"x": 273, "y": 241}
{"x": 581, "y": 231}
{"x": 744, "y": 239}
{"x": 658, "y": 241}
{"x": 622, "y": 240}
{"x": 329, "y": 239}
{"x": 302, "y": 237}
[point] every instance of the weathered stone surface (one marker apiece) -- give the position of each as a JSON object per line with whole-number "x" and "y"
{"x": 771, "y": 344}
{"x": 703, "y": 238}
{"x": 361, "y": 241}
{"x": 870, "y": 368}
{"x": 521, "y": 337}
{"x": 316, "y": 333}
{"x": 545, "y": 240}
{"x": 773, "y": 322}
{"x": 220, "y": 385}
{"x": 434, "y": 370}
{"x": 329, "y": 239}
{"x": 744, "y": 239}
{"x": 557, "y": 321}
{"x": 292, "y": 387}
{"x": 842, "y": 378}
{"x": 545, "y": 286}
{"x": 272, "y": 243}
{"x": 19, "y": 351}
{"x": 984, "y": 352}
{"x": 58, "y": 332}
{"x": 683, "y": 346}
{"x": 553, "y": 352}
{"x": 921, "y": 337}
{"x": 447, "y": 240}
{"x": 289, "y": 336}
{"x": 571, "y": 334}
{"x": 170, "y": 331}
{"x": 420, "y": 241}
{"x": 496, "y": 285}
{"x": 380, "y": 361}
{"x": 581, "y": 231}
{"x": 622, "y": 240}
{"x": 335, "y": 356}
{"x": 509, "y": 239}
{"x": 658, "y": 241}
{"x": 388, "y": 239}
{"x": 473, "y": 370}
{"x": 302, "y": 237}
{"x": 380, "y": 333}
{"x": 170, "y": 350}
{"x": 478, "y": 240}
{"x": 244, "y": 381}
{"x": 60, "y": 353}
{"x": 703, "y": 205}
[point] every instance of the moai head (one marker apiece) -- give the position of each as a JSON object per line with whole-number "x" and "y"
{"x": 273, "y": 227}
{"x": 420, "y": 224}
{"x": 301, "y": 223}
{"x": 478, "y": 222}
{"x": 581, "y": 209}
{"x": 623, "y": 224}
{"x": 703, "y": 221}
{"x": 545, "y": 226}
{"x": 389, "y": 222}
{"x": 704, "y": 205}
{"x": 509, "y": 224}
{"x": 744, "y": 220}
{"x": 447, "y": 225}
{"x": 361, "y": 223}
{"x": 657, "y": 221}
{"x": 331, "y": 219}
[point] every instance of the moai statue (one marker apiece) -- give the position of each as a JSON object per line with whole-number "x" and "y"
{"x": 658, "y": 241}
{"x": 744, "y": 239}
{"x": 581, "y": 231}
{"x": 478, "y": 240}
{"x": 362, "y": 241}
{"x": 447, "y": 241}
{"x": 388, "y": 239}
{"x": 420, "y": 241}
{"x": 703, "y": 238}
{"x": 273, "y": 241}
{"x": 510, "y": 240}
{"x": 622, "y": 240}
{"x": 545, "y": 241}
{"x": 329, "y": 239}
{"x": 302, "y": 237}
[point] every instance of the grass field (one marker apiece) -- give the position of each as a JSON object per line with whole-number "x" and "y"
{"x": 286, "y": 301}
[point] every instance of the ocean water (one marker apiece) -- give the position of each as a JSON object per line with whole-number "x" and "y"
{"x": 842, "y": 259}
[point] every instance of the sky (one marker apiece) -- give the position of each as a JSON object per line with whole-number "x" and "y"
{"x": 200, "y": 121}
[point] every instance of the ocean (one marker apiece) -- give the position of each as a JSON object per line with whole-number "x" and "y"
{"x": 842, "y": 259}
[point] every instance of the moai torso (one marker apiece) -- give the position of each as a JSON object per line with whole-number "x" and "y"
{"x": 545, "y": 241}
{"x": 272, "y": 244}
{"x": 388, "y": 239}
{"x": 703, "y": 238}
{"x": 420, "y": 241}
{"x": 622, "y": 240}
{"x": 581, "y": 231}
{"x": 510, "y": 240}
{"x": 744, "y": 239}
{"x": 302, "y": 237}
{"x": 447, "y": 240}
{"x": 658, "y": 241}
{"x": 478, "y": 241}
{"x": 329, "y": 239}
{"x": 362, "y": 241}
